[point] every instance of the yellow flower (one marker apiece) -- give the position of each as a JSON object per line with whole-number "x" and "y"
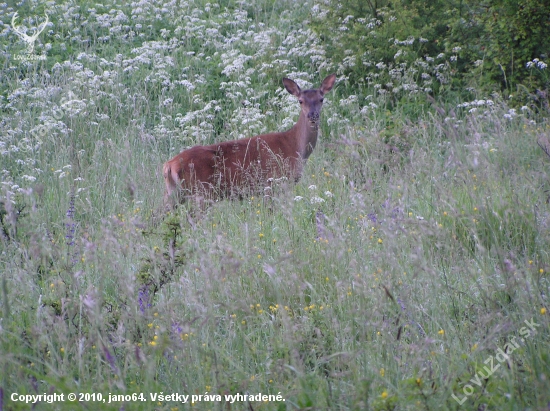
{"x": 543, "y": 310}
{"x": 380, "y": 241}
{"x": 474, "y": 347}
{"x": 382, "y": 372}
{"x": 62, "y": 350}
{"x": 384, "y": 395}
{"x": 441, "y": 332}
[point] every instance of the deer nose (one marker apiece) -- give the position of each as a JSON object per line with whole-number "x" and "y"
{"x": 313, "y": 117}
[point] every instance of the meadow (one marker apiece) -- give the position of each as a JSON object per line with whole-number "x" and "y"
{"x": 406, "y": 270}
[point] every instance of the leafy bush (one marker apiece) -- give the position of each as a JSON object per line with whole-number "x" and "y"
{"x": 495, "y": 44}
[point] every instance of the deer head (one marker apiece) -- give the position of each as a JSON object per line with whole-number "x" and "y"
{"x": 310, "y": 101}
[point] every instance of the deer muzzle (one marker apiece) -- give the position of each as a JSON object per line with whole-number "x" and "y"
{"x": 313, "y": 117}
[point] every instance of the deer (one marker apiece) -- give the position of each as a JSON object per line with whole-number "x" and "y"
{"x": 241, "y": 167}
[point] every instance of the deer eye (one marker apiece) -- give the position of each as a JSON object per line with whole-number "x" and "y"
{"x": 300, "y": 101}
{"x": 322, "y": 100}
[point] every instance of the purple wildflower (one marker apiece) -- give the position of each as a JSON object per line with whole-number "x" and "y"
{"x": 144, "y": 298}
{"x": 70, "y": 226}
{"x": 110, "y": 359}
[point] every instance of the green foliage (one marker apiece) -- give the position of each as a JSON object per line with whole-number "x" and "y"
{"x": 514, "y": 33}
{"x": 487, "y": 45}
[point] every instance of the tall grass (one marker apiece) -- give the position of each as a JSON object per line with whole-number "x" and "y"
{"x": 414, "y": 247}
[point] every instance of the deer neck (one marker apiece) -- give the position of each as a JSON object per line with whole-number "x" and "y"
{"x": 304, "y": 134}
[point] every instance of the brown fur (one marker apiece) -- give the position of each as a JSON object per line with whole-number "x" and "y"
{"x": 239, "y": 167}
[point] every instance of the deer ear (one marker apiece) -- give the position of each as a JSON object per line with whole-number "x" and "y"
{"x": 292, "y": 87}
{"x": 327, "y": 84}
